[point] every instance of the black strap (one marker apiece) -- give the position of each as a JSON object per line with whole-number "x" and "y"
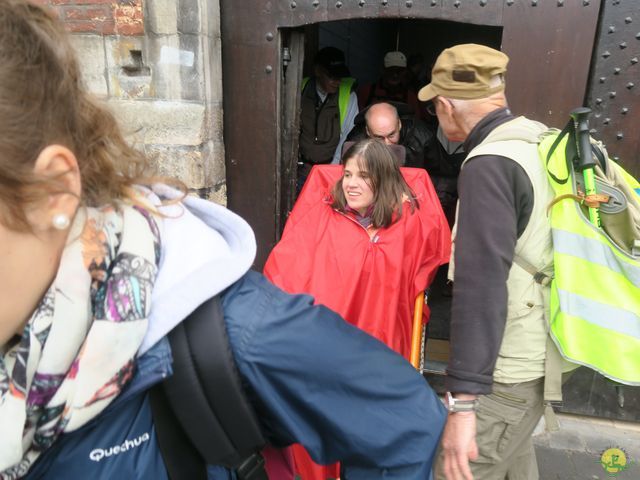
{"x": 206, "y": 396}
{"x": 571, "y": 152}
{"x": 597, "y": 152}
{"x": 567, "y": 129}
{"x": 180, "y": 456}
{"x": 252, "y": 468}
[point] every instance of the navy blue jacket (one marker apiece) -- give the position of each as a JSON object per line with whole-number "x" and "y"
{"x": 313, "y": 379}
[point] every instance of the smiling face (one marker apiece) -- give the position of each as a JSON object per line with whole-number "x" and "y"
{"x": 356, "y": 185}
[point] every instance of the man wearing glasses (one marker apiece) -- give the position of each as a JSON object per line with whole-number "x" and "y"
{"x": 499, "y": 343}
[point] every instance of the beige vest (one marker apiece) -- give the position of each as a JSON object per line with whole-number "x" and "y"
{"x": 522, "y": 353}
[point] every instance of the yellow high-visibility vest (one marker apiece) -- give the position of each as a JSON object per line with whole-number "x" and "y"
{"x": 346, "y": 84}
{"x": 595, "y": 292}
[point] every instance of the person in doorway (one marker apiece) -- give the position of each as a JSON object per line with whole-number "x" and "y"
{"x": 99, "y": 263}
{"x": 393, "y": 85}
{"x": 499, "y": 348}
{"x": 394, "y": 124}
{"x": 328, "y": 108}
{"x": 364, "y": 244}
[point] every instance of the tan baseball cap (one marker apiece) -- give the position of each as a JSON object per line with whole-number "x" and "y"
{"x": 465, "y": 72}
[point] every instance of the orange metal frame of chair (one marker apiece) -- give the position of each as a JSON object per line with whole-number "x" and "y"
{"x": 417, "y": 332}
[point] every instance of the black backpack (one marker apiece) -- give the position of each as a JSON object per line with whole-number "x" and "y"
{"x": 201, "y": 413}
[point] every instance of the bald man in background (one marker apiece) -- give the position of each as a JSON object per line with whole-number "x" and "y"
{"x": 394, "y": 124}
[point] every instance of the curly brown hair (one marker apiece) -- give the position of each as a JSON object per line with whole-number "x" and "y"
{"x": 387, "y": 183}
{"x": 43, "y": 101}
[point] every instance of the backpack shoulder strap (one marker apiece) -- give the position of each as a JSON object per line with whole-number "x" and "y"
{"x": 559, "y": 135}
{"x": 206, "y": 396}
{"x": 540, "y": 277}
{"x": 182, "y": 460}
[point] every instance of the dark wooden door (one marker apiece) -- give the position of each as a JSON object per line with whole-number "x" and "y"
{"x": 614, "y": 91}
{"x": 549, "y": 42}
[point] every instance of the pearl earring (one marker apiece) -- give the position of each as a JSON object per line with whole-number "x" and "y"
{"x": 60, "y": 221}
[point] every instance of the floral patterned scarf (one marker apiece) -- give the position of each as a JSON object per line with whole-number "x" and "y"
{"x": 78, "y": 349}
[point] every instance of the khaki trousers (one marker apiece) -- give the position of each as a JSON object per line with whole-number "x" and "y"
{"x": 506, "y": 419}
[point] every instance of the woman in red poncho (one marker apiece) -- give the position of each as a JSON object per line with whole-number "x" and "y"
{"x": 363, "y": 243}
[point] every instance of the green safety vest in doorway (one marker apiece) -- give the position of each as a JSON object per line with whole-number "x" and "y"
{"x": 346, "y": 84}
{"x": 595, "y": 292}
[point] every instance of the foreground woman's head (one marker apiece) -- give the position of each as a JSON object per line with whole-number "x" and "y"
{"x": 371, "y": 183}
{"x": 54, "y": 136}
{"x": 59, "y": 150}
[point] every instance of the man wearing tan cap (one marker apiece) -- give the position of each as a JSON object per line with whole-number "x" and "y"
{"x": 498, "y": 350}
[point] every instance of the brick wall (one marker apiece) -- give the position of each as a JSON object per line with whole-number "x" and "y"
{"x": 105, "y": 17}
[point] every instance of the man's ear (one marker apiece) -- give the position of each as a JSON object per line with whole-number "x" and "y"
{"x": 366, "y": 129}
{"x": 445, "y": 105}
{"x": 59, "y": 164}
{"x": 399, "y": 124}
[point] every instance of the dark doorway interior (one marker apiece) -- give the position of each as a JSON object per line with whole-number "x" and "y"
{"x": 364, "y": 43}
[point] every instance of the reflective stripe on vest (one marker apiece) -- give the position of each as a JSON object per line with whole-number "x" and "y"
{"x": 346, "y": 84}
{"x": 595, "y": 295}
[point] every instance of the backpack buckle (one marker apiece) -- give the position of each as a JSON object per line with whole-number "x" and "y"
{"x": 252, "y": 468}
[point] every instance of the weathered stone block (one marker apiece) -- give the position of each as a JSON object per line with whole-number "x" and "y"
{"x": 212, "y": 70}
{"x": 213, "y": 157}
{"x": 192, "y": 77}
{"x": 190, "y": 16}
{"x": 214, "y": 121}
{"x": 169, "y": 62}
{"x": 162, "y": 16}
{"x": 200, "y": 168}
{"x": 183, "y": 163}
{"x": 129, "y": 73}
{"x": 161, "y": 123}
{"x": 218, "y": 194}
{"x": 90, "y": 49}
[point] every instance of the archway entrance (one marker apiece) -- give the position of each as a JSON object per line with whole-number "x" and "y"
{"x": 263, "y": 45}
{"x": 551, "y": 45}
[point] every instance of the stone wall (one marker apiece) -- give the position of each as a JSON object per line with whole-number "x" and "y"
{"x": 157, "y": 63}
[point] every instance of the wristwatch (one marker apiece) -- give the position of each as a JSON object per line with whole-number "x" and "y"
{"x": 455, "y": 405}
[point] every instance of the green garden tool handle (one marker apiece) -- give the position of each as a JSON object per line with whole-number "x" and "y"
{"x": 586, "y": 162}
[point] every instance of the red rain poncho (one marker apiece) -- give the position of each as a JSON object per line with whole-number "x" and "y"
{"x": 371, "y": 280}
